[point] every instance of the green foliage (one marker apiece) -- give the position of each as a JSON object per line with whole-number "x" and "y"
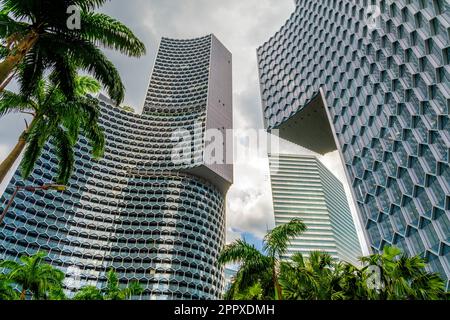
{"x": 260, "y": 270}
{"x": 277, "y": 241}
{"x": 254, "y": 292}
{"x": 88, "y": 293}
{"x": 57, "y": 293}
{"x": 252, "y": 285}
{"x": 58, "y": 119}
{"x": 320, "y": 277}
{"x": 41, "y": 281}
{"x": 34, "y": 276}
{"x": 7, "y": 291}
{"x": 403, "y": 277}
{"x": 113, "y": 290}
{"x": 51, "y": 47}
{"x": 308, "y": 279}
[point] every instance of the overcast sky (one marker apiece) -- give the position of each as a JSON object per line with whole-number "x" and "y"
{"x": 242, "y": 26}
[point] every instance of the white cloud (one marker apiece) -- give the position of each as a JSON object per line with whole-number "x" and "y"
{"x": 11, "y": 126}
{"x": 4, "y": 149}
{"x": 249, "y": 200}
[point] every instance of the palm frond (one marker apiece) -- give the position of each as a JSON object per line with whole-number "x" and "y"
{"x": 9, "y": 26}
{"x": 18, "y": 9}
{"x": 103, "y": 30}
{"x": 88, "y": 5}
{"x": 64, "y": 75}
{"x": 91, "y": 59}
{"x": 88, "y": 293}
{"x": 240, "y": 251}
{"x": 277, "y": 241}
{"x": 89, "y": 125}
{"x": 253, "y": 271}
{"x": 64, "y": 151}
{"x": 31, "y": 71}
{"x": 7, "y": 291}
{"x": 246, "y": 279}
{"x": 320, "y": 260}
{"x": 297, "y": 282}
{"x": 11, "y": 102}
{"x": 36, "y": 137}
{"x": 428, "y": 286}
{"x": 9, "y": 264}
{"x": 298, "y": 259}
{"x": 134, "y": 288}
{"x": 86, "y": 85}
{"x": 390, "y": 252}
{"x": 71, "y": 118}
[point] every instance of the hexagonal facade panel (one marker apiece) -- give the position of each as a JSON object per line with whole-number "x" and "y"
{"x": 381, "y": 69}
{"x": 135, "y": 210}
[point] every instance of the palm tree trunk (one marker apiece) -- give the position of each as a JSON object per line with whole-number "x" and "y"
{"x": 12, "y": 60}
{"x": 277, "y": 286}
{"x": 7, "y": 81}
{"x": 8, "y": 163}
{"x": 23, "y": 294}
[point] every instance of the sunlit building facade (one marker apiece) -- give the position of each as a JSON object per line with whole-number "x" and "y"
{"x": 303, "y": 188}
{"x": 153, "y": 219}
{"x": 371, "y": 79}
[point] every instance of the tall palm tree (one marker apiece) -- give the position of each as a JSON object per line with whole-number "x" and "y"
{"x": 33, "y": 275}
{"x": 37, "y": 35}
{"x": 113, "y": 291}
{"x": 402, "y": 277}
{"x": 55, "y": 118}
{"x": 262, "y": 267}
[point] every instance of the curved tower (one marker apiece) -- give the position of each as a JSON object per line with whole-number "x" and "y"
{"x": 139, "y": 210}
{"x": 371, "y": 78}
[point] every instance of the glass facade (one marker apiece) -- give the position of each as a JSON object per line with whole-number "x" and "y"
{"x": 303, "y": 188}
{"x": 136, "y": 210}
{"x": 387, "y": 93}
{"x": 230, "y": 274}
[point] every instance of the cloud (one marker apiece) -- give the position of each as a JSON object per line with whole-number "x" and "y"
{"x": 249, "y": 200}
{"x": 4, "y": 149}
{"x": 11, "y": 126}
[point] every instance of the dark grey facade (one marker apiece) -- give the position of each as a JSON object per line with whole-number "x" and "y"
{"x": 153, "y": 220}
{"x": 380, "y": 94}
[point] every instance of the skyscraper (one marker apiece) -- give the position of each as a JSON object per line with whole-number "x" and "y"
{"x": 371, "y": 79}
{"x": 229, "y": 275}
{"x": 137, "y": 210}
{"x": 303, "y": 188}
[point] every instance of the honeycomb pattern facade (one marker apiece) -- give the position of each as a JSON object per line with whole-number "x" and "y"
{"x": 133, "y": 210}
{"x": 387, "y": 90}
